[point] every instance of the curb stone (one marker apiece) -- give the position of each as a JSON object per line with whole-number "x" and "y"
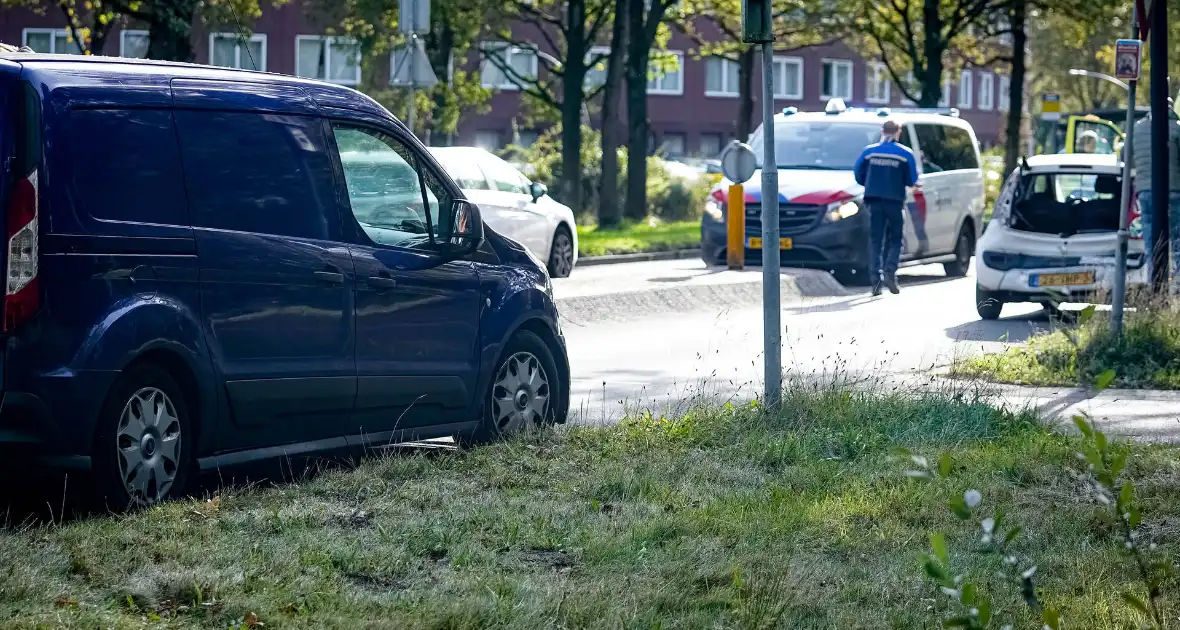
{"x": 580, "y": 310}
{"x": 614, "y": 259}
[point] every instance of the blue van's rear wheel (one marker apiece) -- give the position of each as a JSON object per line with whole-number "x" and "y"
{"x": 142, "y": 452}
{"x": 523, "y": 394}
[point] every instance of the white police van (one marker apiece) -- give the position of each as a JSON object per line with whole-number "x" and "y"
{"x": 821, "y": 222}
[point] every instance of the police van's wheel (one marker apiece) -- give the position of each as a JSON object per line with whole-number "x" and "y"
{"x": 987, "y": 304}
{"x": 963, "y": 246}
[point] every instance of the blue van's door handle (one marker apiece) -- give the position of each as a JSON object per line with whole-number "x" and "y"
{"x": 382, "y": 282}
{"x": 333, "y": 277}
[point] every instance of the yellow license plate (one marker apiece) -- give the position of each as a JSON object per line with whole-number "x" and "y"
{"x": 1061, "y": 279}
{"x": 783, "y": 243}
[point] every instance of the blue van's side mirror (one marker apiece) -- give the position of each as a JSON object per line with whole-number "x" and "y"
{"x": 466, "y": 228}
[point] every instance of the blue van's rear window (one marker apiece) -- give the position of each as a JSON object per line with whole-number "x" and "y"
{"x": 133, "y": 174}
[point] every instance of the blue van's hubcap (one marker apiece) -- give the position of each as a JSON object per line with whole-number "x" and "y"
{"x": 148, "y": 446}
{"x": 520, "y": 395}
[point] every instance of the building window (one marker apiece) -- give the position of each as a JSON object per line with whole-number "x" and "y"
{"x": 945, "y": 99}
{"x": 837, "y": 79}
{"x": 910, "y": 85}
{"x": 226, "y": 50}
{"x": 1005, "y": 92}
{"x": 673, "y": 145}
{"x": 596, "y": 73}
{"x": 877, "y": 85}
{"x": 668, "y": 76}
{"x": 499, "y": 56}
{"x": 710, "y": 145}
{"x": 721, "y": 77}
{"x": 50, "y": 41}
{"x": 489, "y": 140}
{"x": 788, "y": 78}
{"x": 333, "y": 59}
{"x": 966, "y": 89}
{"x": 987, "y": 93}
{"x": 133, "y": 44}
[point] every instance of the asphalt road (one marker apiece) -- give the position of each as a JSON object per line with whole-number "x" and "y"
{"x": 674, "y": 357}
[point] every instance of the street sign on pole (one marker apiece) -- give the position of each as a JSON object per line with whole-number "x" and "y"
{"x": 1128, "y": 54}
{"x": 738, "y": 163}
{"x": 414, "y": 16}
{"x": 412, "y": 68}
{"x": 1119, "y": 299}
{"x": 1050, "y": 106}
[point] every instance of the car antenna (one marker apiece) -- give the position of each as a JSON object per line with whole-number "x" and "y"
{"x": 243, "y": 42}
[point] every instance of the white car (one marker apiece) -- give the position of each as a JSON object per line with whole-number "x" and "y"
{"x": 515, "y": 207}
{"x": 1053, "y": 235}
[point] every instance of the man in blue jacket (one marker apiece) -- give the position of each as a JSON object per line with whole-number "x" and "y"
{"x": 886, "y": 170}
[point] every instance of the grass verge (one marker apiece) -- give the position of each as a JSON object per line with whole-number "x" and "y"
{"x": 636, "y": 238}
{"x": 1147, "y": 355}
{"x": 722, "y": 518}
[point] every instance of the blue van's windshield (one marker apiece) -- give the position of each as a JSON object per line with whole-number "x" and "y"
{"x": 829, "y": 146}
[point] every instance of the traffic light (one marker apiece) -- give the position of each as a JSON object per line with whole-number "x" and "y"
{"x": 756, "y": 22}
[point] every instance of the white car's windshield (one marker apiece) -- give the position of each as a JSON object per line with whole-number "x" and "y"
{"x": 829, "y": 146}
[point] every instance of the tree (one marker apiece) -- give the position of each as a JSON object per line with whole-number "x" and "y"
{"x": 88, "y": 27}
{"x": 797, "y": 24}
{"x": 644, "y": 19}
{"x": 609, "y": 208}
{"x": 570, "y": 28}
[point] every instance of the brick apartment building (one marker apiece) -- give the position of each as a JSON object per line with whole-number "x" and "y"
{"x": 692, "y": 109}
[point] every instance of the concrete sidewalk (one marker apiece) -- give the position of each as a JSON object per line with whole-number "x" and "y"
{"x": 1148, "y": 415}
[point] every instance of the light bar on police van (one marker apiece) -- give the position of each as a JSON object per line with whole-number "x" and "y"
{"x": 835, "y": 106}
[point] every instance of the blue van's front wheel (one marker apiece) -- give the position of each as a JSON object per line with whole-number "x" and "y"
{"x": 523, "y": 394}
{"x": 141, "y": 454}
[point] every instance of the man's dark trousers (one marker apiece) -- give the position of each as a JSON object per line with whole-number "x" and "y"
{"x": 886, "y": 222}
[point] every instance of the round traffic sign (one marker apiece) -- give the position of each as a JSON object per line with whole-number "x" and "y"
{"x": 738, "y": 162}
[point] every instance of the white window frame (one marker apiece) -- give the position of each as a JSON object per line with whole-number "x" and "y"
{"x": 725, "y": 91}
{"x": 237, "y": 38}
{"x": 123, "y": 40}
{"x": 966, "y": 89}
{"x": 52, "y": 33}
{"x": 679, "y": 89}
{"x": 331, "y": 40}
{"x": 597, "y": 51}
{"x": 989, "y": 80}
{"x": 851, "y": 78}
{"x": 1004, "y": 93}
{"x": 876, "y": 71}
{"x": 508, "y": 85}
{"x": 780, "y": 75}
{"x": 945, "y": 100}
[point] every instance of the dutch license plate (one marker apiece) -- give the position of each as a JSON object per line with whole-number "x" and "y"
{"x": 1060, "y": 279}
{"x": 783, "y": 243}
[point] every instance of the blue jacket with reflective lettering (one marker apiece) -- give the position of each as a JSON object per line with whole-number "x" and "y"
{"x": 886, "y": 169}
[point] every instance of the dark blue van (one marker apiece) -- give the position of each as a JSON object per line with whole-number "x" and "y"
{"x": 196, "y": 278}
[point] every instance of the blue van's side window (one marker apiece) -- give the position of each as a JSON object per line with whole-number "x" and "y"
{"x": 139, "y": 179}
{"x": 261, "y": 173}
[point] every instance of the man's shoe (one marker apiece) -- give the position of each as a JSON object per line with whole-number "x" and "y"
{"x": 891, "y": 282}
{"x": 877, "y": 288}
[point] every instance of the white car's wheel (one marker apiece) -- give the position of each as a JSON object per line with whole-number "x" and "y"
{"x": 988, "y": 304}
{"x": 561, "y": 253}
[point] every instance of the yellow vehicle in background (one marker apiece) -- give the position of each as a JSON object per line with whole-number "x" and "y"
{"x": 1097, "y": 132}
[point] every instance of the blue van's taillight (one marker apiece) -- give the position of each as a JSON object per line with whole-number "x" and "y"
{"x": 22, "y": 296}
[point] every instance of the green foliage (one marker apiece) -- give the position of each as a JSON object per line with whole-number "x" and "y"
{"x": 669, "y": 197}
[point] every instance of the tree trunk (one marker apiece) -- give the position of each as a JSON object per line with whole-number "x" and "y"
{"x": 1016, "y": 85}
{"x": 932, "y": 49}
{"x": 573, "y": 96}
{"x": 638, "y": 55}
{"x": 745, "y": 121}
{"x": 440, "y": 45}
{"x": 609, "y": 210}
{"x": 170, "y": 33}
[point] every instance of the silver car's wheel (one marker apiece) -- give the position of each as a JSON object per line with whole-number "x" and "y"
{"x": 148, "y": 446}
{"x": 561, "y": 255}
{"x": 520, "y": 394}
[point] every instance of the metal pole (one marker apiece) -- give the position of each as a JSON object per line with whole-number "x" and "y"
{"x": 1160, "y": 186}
{"x": 1120, "y": 260}
{"x": 413, "y": 74}
{"x": 771, "y": 306}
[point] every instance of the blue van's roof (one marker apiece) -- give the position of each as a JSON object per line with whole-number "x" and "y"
{"x": 106, "y": 72}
